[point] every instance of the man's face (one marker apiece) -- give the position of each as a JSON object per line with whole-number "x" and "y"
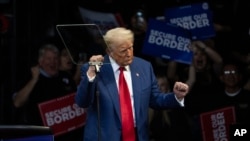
{"x": 230, "y": 76}
{"x": 49, "y": 62}
{"x": 122, "y": 53}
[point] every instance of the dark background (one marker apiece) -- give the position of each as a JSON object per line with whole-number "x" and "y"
{"x": 32, "y": 23}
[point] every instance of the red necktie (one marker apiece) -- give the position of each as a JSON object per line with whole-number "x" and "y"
{"x": 128, "y": 131}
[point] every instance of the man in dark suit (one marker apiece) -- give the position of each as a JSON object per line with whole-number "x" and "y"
{"x": 104, "y": 117}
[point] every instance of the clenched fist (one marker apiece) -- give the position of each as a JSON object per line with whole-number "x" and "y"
{"x": 180, "y": 90}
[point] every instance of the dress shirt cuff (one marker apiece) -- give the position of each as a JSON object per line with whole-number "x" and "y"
{"x": 91, "y": 79}
{"x": 181, "y": 102}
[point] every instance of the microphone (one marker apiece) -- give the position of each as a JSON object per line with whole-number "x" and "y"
{"x": 97, "y": 65}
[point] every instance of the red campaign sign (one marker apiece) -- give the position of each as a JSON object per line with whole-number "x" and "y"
{"x": 215, "y": 124}
{"x": 62, "y": 114}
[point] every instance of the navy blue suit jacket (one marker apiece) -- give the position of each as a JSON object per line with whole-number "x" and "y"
{"x": 145, "y": 93}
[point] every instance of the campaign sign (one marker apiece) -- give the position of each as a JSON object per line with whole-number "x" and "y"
{"x": 167, "y": 41}
{"x": 216, "y": 124}
{"x": 195, "y": 17}
{"x": 62, "y": 114}
{"x": 104, "y": 20}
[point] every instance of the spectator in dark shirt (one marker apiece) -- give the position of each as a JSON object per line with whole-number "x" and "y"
{"x": 234, "y": 94}
{"x": 45, "y": 83}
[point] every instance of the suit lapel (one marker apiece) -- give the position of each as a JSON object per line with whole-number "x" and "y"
{"x": 136, "y": 84}
{"x": 110, "y": 83}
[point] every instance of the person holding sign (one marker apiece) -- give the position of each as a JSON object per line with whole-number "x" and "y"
{"x": 202, "y": 78}
{"x": 45, "y": 83}
{"x": 121, "y": 91}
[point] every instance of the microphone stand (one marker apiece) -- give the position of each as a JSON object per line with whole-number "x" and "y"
{"x": 97, "y": 69}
